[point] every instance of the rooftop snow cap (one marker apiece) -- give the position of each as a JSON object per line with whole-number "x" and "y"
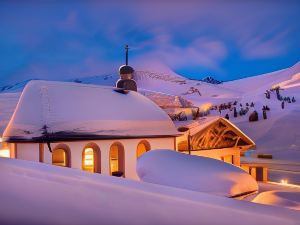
{"x": 59, "y": 111}
{"x": 125, "y": 69}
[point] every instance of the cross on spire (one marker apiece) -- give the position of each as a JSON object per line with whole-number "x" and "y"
{"x": 126, "y": 54}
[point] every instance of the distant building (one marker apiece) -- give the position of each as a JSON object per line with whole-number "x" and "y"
{"x": 213, "y": 137}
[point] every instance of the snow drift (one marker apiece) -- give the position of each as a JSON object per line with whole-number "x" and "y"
{"x": 40, "y": 194}
{"x": 279, "y": 198}
{"x": 194, "y": 173}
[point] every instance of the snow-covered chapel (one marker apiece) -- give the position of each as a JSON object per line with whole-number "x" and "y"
{"x": 94, "y": 128}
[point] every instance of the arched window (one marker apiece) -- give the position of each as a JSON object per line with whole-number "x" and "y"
{"x": 117, "y": 160}
{"x": 91, "y": 158}
{"x": 61, "y": 156}
{"x": 142, "y": 147}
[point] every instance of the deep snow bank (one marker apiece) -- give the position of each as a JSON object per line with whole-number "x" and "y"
{"x": 195, "y": 173}
{"x": 37, "y": 194}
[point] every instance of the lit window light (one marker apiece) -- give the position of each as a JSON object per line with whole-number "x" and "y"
{"x": 5, "y": 153}
{"x": 284, "y": 181}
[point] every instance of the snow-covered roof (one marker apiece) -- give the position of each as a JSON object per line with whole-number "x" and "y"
{"x": 166, "y": 100}
{"x": 8, "y": 102}
{"x": 196, "y": 126}
{"x": 64, "y": 111}
{"x": 194, "y": 173}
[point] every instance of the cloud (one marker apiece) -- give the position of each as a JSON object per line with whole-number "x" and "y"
{"x": 262, "y": 47}
{"x": 77, "y": 38}
{"x": 88, "y": 67}
{"x": 202, "y": 51}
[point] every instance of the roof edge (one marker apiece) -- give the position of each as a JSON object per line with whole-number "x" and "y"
{"x": 43, "y": 139}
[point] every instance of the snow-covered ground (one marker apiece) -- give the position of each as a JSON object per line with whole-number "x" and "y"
{"x": 37, "y": 194}
{"x": 279, "y": 198}
{"x": 277, "y": 194}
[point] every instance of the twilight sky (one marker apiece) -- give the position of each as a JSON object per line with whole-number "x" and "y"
{"x": 228, "y": 40}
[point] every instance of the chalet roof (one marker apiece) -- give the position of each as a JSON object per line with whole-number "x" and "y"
{"x": 198, "y": 128}
{"x": 63, "y": 111}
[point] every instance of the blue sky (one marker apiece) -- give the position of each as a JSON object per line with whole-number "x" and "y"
{"x": 228, "y": 40}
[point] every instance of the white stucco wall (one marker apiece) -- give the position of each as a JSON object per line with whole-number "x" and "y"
{"x": 31, "y": 152}
{"x": 28, "y": 151}
{"x": 218, "y": 153}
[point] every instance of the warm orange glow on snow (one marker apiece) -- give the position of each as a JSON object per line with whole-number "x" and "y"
{"x": 284, "y": 181}
{"x": 206, "y": 106}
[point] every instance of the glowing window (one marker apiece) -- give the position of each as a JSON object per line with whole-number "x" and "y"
{"x": 59, "y": 157}
{"x": 117, "y": 160}
{"x": 88, "y": 160}
{"x": 228, "y": 159}
{"x": 142, "y": 148}
{"x": 5, "y": 153}
{"x": 114, "y": 158}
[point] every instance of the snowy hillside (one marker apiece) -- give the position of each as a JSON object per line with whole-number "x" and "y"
{"x": 169, "y": 83}
{"x": 279, "y": 134}
{"x": 257, "y": 84}
{"x": 178, "y": 85}
{"x": 57, "y": 195}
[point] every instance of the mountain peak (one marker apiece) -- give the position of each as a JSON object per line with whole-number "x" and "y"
{"x": 211, "y": 80}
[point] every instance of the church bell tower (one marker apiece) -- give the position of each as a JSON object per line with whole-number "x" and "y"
{"x": 126, "y": 74}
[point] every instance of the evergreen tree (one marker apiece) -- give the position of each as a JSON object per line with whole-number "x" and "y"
{"x": 234, "y": 112}
{"x": 227, "y": 116}
{"x": 264, "y": 114}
